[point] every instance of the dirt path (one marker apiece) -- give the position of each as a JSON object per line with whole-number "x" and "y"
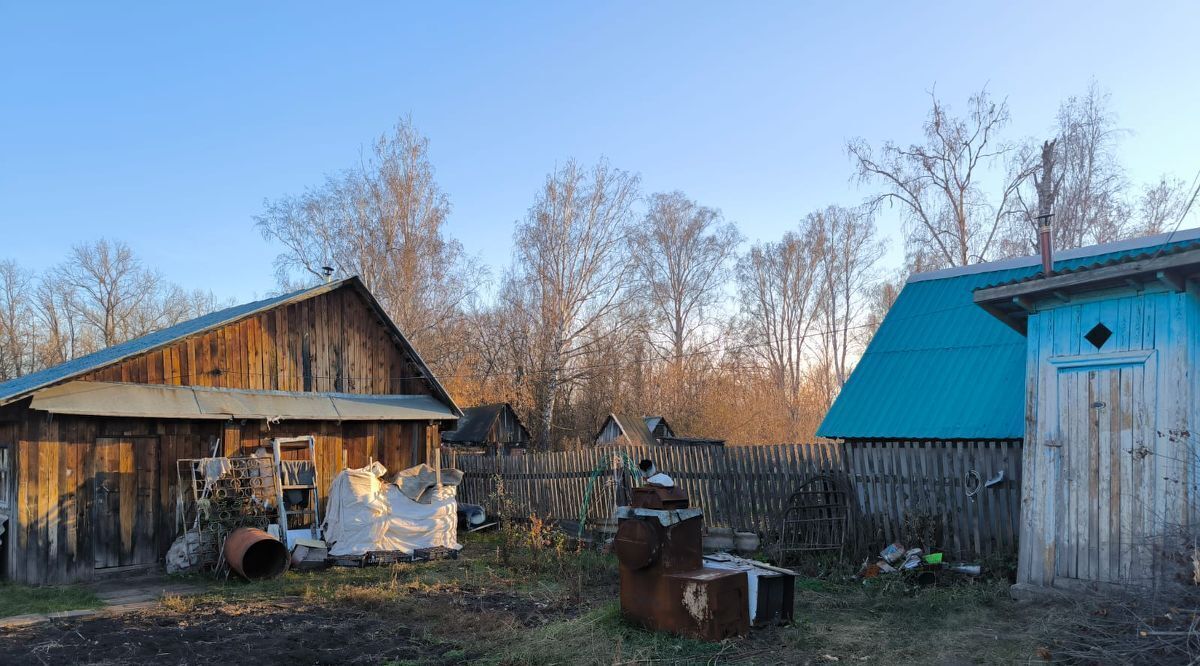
{"x": 289, "y": 631}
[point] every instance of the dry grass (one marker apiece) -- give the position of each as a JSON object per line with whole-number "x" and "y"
{"x": 556, "y": 607}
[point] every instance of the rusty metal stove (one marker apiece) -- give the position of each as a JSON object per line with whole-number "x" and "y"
{"x": 664, "y": 585}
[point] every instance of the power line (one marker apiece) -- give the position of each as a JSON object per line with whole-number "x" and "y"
{"x": 577, "y": 368}
{"x": 1182, "y": 216}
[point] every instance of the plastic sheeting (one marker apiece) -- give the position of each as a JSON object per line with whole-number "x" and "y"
{"x": 365, "y": 514}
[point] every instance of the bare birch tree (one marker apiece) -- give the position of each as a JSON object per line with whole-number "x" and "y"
{"x": 779, "y": 293}
{"x": 112, "y": 292}
{"x": 1090, "y": 187}
{"x": 570, "y": 274}
{"x": 938, "y": 184}
{"x": 57, "y": 320}
{"x": 880, "y": 299}
{"x": 682, "y": 253}
{"x": 1164, "y": 206}
{"x": 17, "y": 335}
{"x": 847, "y": 251}
{"x": 385, "y": 222}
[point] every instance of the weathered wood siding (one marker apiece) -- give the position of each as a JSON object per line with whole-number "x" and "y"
{"x": 332, "y": 342}
{"x": 56, "y": 465}
{"x": 507, "y": 430}
{"x": 610, "y": 433}
{"x": 1110, "y": 461}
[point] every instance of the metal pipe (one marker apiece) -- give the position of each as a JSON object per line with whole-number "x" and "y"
{"x": 1046, "y": 244}
{"x": 255, "y": 555}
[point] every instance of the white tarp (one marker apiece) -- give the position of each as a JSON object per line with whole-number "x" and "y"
{"x": 366, "y": 514}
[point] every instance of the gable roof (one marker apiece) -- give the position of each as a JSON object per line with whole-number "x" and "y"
{"x": 18, "y": 388}
{"x": 653, "y": 422}
{"x": 633, "y": 427}
{"x": 941, "y": 367}
{"x": 476, "y": 423}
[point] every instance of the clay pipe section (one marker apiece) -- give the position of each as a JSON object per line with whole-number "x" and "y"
{"x": 255, "y": 555}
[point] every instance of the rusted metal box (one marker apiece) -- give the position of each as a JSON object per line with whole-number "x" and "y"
{"x": 710, "y": 604}
{"x": 656, "y": 542}
{"x": 658, "y": 497}
{"x": 664, "y": 585}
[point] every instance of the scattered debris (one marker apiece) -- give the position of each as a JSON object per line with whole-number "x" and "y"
{"x": 926, "y": 568}
{"x": 772, "y": 589}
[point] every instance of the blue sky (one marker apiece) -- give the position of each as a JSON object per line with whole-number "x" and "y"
{"x": 166, "y": 124}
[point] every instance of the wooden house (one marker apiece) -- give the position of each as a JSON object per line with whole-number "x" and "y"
{"x": 654, "y": 430}
{"x": 658, "y": 427}
{"x": 1080, "y": 376}
{"x": 491, "y": 429}
{"x": 624, "y": 429}
{"x": 88, "y": 449}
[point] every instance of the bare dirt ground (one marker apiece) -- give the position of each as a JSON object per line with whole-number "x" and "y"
{"x": 538, "y": 609}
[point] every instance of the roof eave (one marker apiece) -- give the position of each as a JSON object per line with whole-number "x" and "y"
{"x": 1012, "y": 303}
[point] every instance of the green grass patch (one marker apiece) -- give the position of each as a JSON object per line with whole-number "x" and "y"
{"x": 602, "y": 636}
{"x": 24, "y": 599}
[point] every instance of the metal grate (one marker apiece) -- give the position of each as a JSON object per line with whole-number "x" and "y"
{"x": 241, "y": 495}
{"x": 816, "y": 519}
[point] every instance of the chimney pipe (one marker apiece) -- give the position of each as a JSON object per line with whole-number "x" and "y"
{"x": 1046, "y": 243}
{"x": 1047, "y": 190}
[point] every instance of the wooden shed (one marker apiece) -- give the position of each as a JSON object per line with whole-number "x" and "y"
{"x": 658, "y": 427}
{"x": 624, "y": 429}
{"x": 88, "y": 449}
{"x": 1111, "y": 399}
{"x": 1058, "y": 408}
{"x": 492, "y": 429}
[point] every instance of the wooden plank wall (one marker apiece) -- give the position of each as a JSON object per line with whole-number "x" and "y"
{"x": 330, "y": 342}
{"x": 1112, "y": 457}
{"x": 55, "y": 467}
{"x": 908, "y": 486}
{"x": 747, "y": 488}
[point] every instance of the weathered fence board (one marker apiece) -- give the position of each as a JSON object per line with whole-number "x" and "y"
{"x": 895, "y": 486}
{"x": 745, "y": 488}
{"x": 899, "y": 485}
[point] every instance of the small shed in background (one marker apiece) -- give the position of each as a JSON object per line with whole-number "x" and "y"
{"x": 623, "y": 429}
{"x": 492, "y": 429}
{"x": 659, "y": 427}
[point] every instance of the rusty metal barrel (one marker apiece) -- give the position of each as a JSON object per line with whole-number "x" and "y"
{"x": 255, "y": 555}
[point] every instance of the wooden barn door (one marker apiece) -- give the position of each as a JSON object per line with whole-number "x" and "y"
{"x": 1106, "y": 433}
{"x": 125, "y": 506}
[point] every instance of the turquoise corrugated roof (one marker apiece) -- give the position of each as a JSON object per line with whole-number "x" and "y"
{"x": 940, "y": 367}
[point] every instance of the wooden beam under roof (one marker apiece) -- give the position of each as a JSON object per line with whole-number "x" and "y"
{"x": 1178, "y": 266}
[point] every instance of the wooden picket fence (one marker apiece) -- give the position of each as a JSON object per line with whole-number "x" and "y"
{"x": 910, "y": 487}
{"x": 892, "y": 485}
{"x": 741, "y": 487}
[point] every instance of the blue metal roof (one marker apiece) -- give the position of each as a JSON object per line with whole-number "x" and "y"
{"x": 23, "y": 386}
{"x": 940, "y": 367}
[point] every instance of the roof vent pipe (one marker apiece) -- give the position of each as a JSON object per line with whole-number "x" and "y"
{"x": 1047, "y": 190}
{"x": 1046, "y": 243}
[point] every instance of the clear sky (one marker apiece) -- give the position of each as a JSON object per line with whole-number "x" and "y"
{"x": 167, "y": 124}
